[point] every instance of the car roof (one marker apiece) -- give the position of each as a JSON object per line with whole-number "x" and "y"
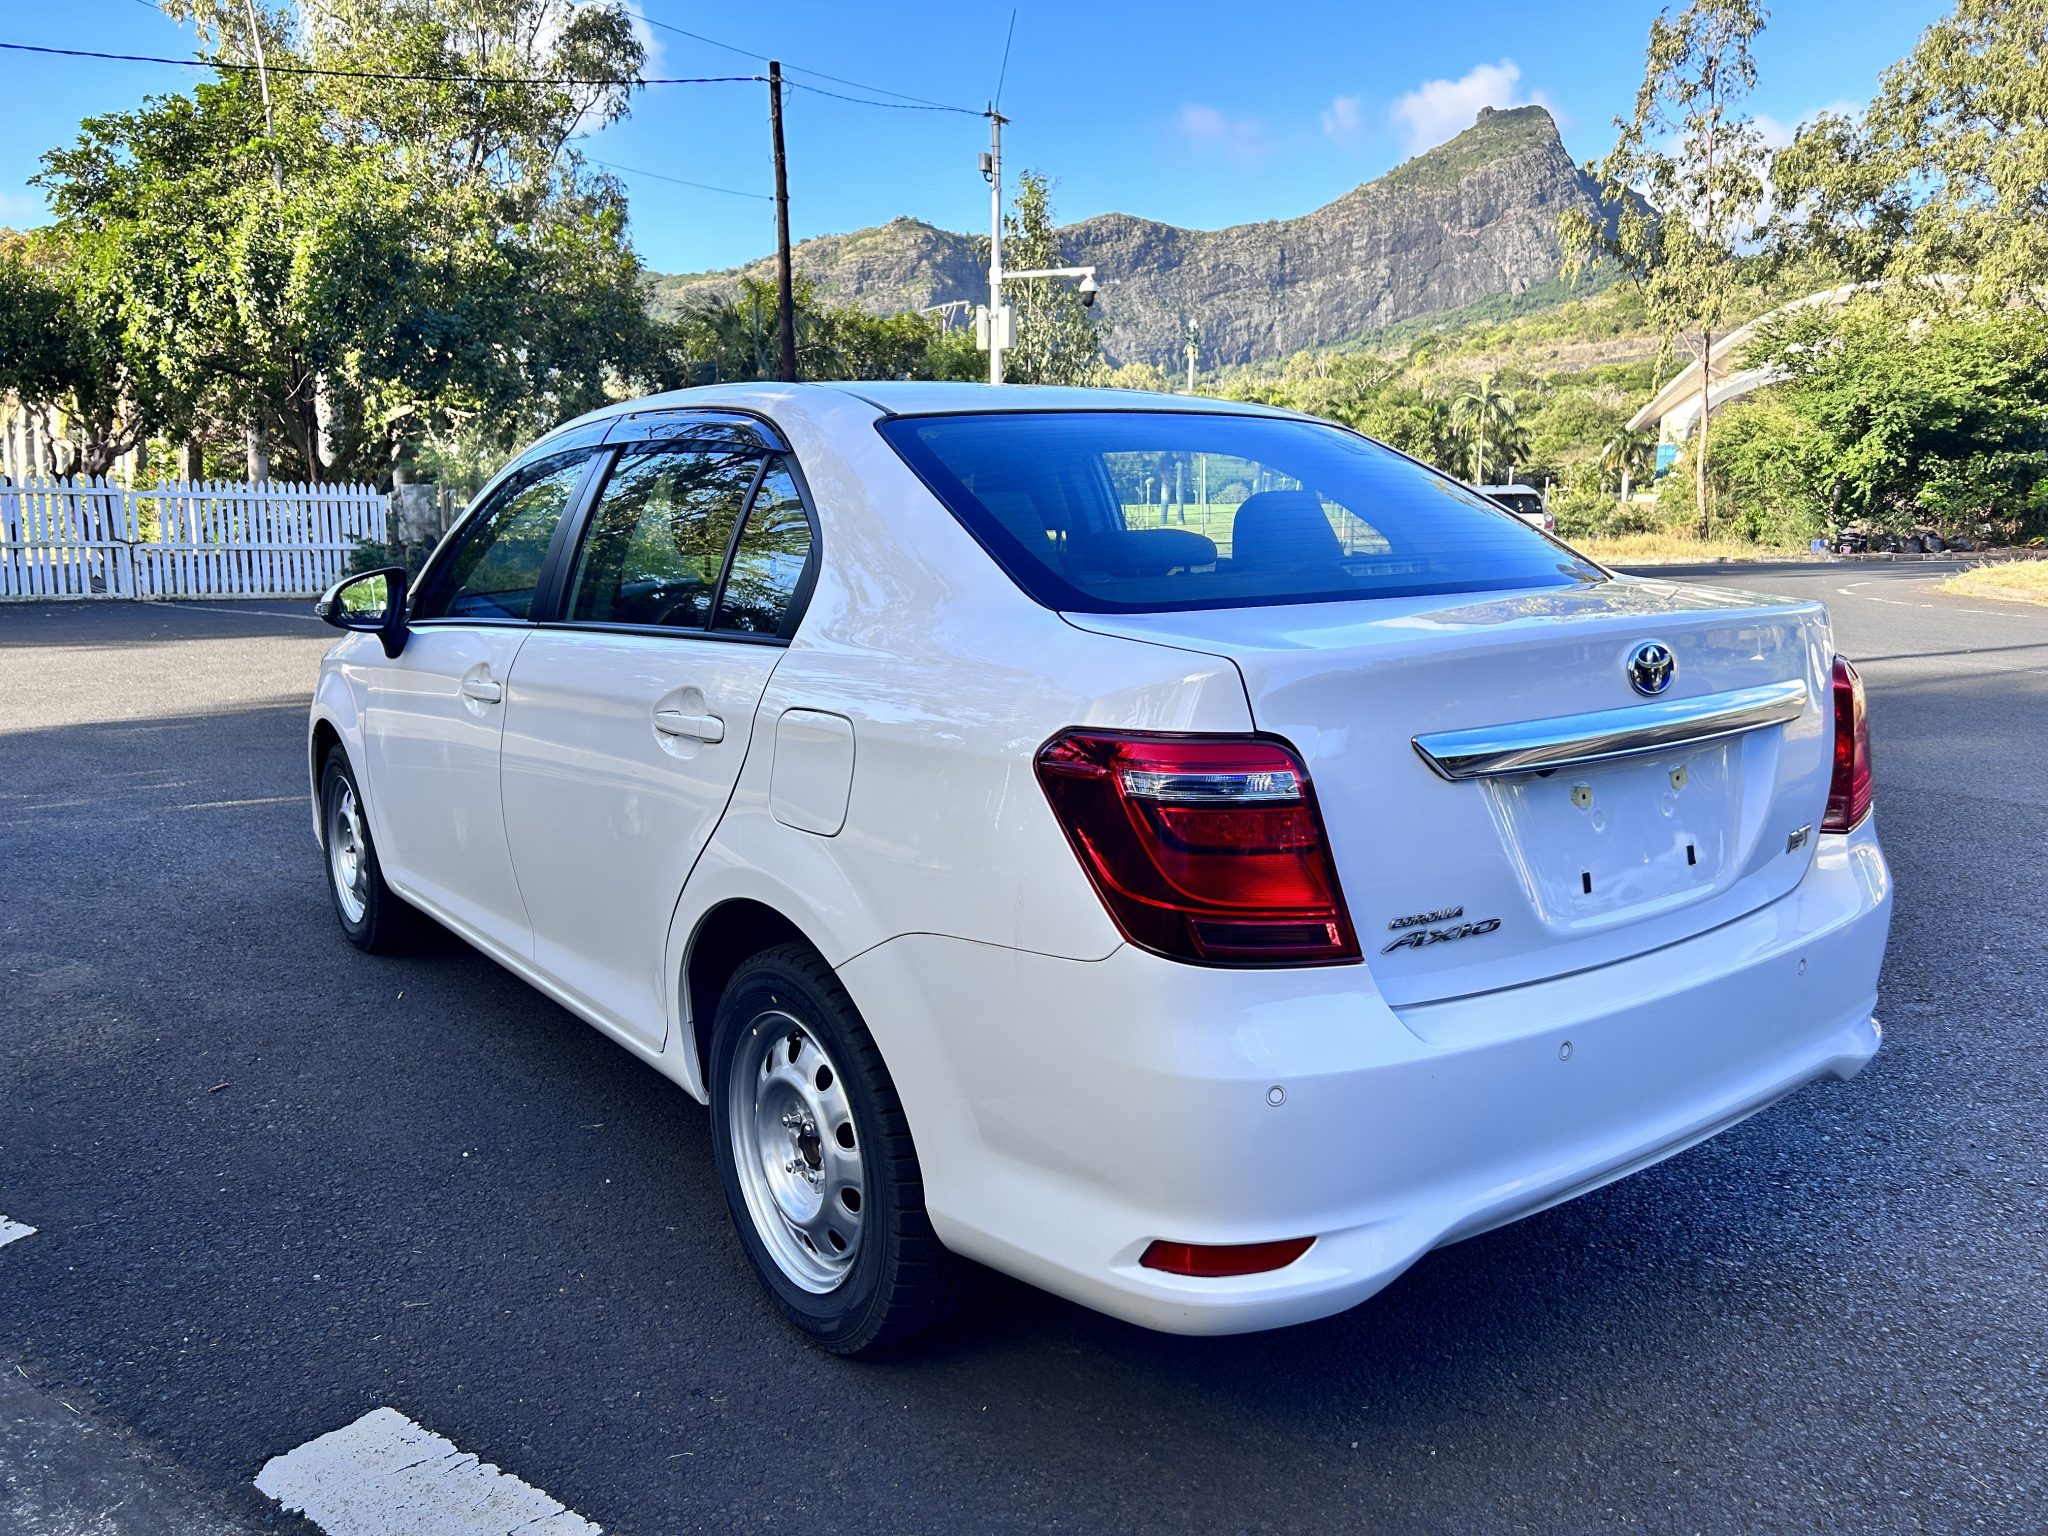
{"x": 1526, "y": 490}
{"x": 918, "y": 397}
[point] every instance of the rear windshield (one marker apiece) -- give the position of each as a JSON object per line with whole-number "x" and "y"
{"x": 1154, "y": 511}
{"x": 1527, "y": 502}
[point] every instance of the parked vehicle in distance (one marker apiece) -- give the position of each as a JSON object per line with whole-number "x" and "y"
{"x": 1525, "y": 501}
{"x": 1201, "y": 919}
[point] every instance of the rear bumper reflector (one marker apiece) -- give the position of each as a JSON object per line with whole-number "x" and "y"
{"x": 1574, "y": 741}
{"x": 1211, "y": 1261}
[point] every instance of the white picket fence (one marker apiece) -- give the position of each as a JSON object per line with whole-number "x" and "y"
{"x": 85, "y": 538}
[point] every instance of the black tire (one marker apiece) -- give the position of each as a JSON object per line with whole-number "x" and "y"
{"x": 385, "y": 923}
{"x": 901, "y": 1279}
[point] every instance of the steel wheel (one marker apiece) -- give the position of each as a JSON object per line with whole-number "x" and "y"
{"x": 796, "y": 1152}
{"x": 347, "y": 850}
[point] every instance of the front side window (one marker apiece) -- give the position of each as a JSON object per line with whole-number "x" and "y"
{"x": 769, "y": 562}
{"x": 1156, "y": 511}
{"x": 658, "y": 537}
{"x": 495, "y": 568}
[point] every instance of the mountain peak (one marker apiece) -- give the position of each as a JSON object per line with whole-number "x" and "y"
{"x": 1498, "y": 133}
{"x": 1464, "y": 220}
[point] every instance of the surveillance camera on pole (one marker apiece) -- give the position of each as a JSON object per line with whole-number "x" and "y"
{"x": 995, "y": 322}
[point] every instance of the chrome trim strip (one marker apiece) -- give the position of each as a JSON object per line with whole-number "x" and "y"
{"x": 1573, "y": 741}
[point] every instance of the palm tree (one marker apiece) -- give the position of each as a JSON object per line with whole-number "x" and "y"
{"x": 1628, "y": 454}
{"x": 1438, "y": 428}
{"x": 1484, "y": 414}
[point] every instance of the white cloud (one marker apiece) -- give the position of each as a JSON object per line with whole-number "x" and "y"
{"x": 649, "y": 39}
{"x": 1243, "y": 139}
{"x": 1439, "y": 109}
{"x": 1777, "y": 133}
{"x": 1344, "y": 119}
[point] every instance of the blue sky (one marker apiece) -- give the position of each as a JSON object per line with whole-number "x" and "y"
{"x": 1198, "y": 113}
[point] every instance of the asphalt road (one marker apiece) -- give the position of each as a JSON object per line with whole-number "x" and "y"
{"x": 278, "y": 1184}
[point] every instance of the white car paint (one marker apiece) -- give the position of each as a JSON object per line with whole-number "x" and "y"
{"x": 1073, "y": 1097}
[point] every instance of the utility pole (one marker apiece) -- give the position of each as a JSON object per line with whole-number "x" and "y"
{"x": 255, "y": 437}
{"x": 785, "y": 302}
{"x": 997, "y": 315}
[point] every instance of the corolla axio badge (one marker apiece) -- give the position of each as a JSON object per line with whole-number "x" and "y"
{"x": 1651, "y": 666}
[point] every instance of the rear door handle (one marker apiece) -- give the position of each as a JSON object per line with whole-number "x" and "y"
{"x": 482, "y": 689}
{"x": 705, "y": 728}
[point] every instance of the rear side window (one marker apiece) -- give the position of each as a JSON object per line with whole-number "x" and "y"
{"x": 1155, "y": 511}
{"x": 763, "y": 589}
{"x": 496, "y": 567}
{"x": 658, "y": 536}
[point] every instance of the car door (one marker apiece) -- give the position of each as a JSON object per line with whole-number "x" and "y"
{"x": 434, "y": 715}
{"x": 629, "y": 716}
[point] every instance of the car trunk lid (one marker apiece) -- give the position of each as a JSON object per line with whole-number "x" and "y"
{"x": 1503, "y": 804}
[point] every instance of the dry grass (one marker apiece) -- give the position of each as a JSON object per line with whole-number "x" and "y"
{"x": 1676, "y": 549}
{"x": 2016, "y": 581}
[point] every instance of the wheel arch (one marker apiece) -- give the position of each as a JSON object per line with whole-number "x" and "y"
{"x": 725, "y": 937}
{"x": 333, "y": 722}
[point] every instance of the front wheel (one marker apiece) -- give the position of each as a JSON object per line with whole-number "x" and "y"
{"x": 816, "y": 1159}
{"x": 372, "y": 916}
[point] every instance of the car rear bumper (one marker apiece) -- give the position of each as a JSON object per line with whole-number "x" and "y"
{"x": 1102, "y": 1105}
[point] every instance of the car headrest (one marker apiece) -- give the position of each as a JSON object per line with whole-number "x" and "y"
{"x": 1139, "y": 552}
{"x": 1283, "y": 528}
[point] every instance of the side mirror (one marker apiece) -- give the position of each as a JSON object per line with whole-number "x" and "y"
{"x": 373, "y": 603}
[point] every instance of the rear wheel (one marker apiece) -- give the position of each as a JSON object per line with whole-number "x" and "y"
{"x": 817, "y": 1162}
{"x": 372, "y": 917}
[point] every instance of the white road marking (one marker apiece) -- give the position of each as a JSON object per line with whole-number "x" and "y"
{"x": 13, "y": 1231}
{"x": 253, "y": 613}
{"x": 236, "y": 805}
{"x": 384, "y": 1475}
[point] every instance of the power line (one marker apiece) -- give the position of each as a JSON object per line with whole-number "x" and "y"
{"x": 858, "y": 85}
{"x": 899, "y": 106}
{"x": 1004, "y": 73}
{"x": 701, "y": 186}
{"x": 387, "y": 75}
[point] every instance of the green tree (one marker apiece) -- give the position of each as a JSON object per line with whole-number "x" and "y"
{"x": 1687, "y": 179}
{"x": 63, "y": 353}
{"x": 1899, "y": 419}
{"x": 1485, "y": 416}
{"x": 369, "y": 272}
{"x": 1627, "y": 455}
{"x": 1946, "y": 171}
{"x": 1057, "y": 341}
{"x": 727, "y": 337}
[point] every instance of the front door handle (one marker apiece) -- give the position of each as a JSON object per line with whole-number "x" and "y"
{"x": 705, "y": 728}
{"x": 483, "y": 689}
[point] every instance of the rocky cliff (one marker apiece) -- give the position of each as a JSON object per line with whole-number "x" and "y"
{"x": 1471, "y": 218}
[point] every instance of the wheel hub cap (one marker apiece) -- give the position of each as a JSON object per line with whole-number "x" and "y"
{"x": 347, "y": 853}
{"x": 798, "y": 1156}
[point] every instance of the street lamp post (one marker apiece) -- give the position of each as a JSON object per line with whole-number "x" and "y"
{"x": 995, "y": 325}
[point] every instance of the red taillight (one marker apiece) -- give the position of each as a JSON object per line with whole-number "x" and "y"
{"x": 1849, "y": 791}
{"x": 1211, "y": 1261}
{"x": 1207, "y": 849}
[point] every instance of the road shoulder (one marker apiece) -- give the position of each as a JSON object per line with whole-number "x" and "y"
{"x": 61, "y": 1474}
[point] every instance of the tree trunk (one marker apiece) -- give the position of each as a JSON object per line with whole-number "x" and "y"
{"x": 191, "y": 461}
{"x": 1624, "y": 487}
{"x": 1699, "y": 463}
{"x": 256, "y": 440}
{"x": 326, "y": 425}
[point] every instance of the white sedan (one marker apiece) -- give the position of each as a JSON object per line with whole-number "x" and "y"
{"x": 1180, "y": 853}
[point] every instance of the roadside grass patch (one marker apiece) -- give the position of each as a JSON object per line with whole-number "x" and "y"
{"x": 1665, "y": 548}
{"x": 2013, "y": 581}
